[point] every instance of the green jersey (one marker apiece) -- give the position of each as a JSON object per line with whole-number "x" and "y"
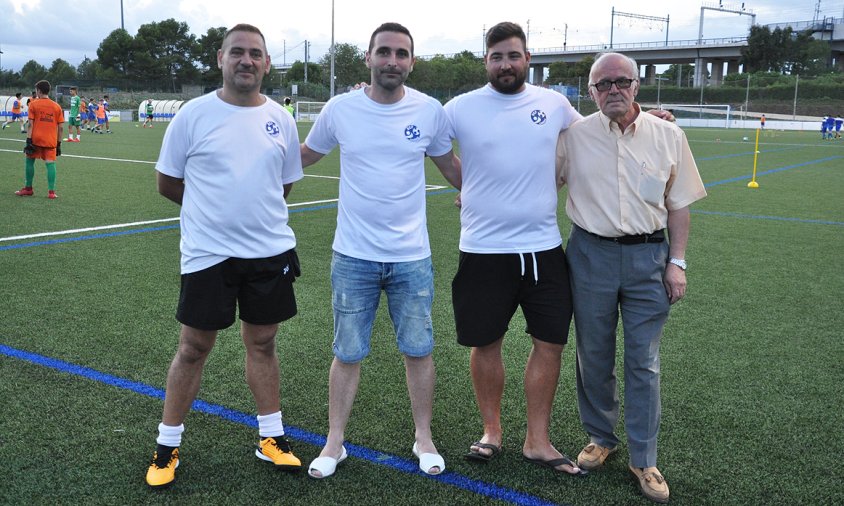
{"x": 149, "y": 110}
{"x": 74, "y": 106}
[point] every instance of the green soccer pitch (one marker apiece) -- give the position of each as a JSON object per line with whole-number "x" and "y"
{"x": 751, "y": 358}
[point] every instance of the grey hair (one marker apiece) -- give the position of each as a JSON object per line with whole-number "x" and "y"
{"x": 634, "y": 67}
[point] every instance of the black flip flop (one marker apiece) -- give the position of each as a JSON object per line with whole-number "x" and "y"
{"x": 553, "y": 463}
{"x": 480, "y": 457}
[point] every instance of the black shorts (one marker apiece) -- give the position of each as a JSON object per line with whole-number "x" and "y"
{"x": 488, "y": 288}
{"x": 262, "y": 289}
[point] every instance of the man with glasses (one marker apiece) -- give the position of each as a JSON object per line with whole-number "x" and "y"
{"x": 630, "y": 176}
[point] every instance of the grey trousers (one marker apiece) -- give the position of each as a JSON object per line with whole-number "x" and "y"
{"x": 606, "y": 277}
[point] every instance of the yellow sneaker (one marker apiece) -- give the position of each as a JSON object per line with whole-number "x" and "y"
{"x": 277, "y": 450}
{"x": 162, "y": 470}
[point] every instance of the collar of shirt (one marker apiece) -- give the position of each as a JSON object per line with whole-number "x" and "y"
{"x": 611, "y": 126}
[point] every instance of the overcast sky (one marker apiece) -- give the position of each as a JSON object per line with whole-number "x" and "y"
{"x": 43, "y": 30}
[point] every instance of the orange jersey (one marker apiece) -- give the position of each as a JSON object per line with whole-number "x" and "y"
{"x": 45, "y": 116}
{"x": 83, "y": 107}
{"x": 16, "y": 107}
{"x": 101, "y": 112}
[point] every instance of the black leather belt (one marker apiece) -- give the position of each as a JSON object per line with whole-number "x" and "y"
{"x": 657, "y": 236}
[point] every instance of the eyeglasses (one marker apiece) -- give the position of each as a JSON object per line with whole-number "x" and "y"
{"x": 621, "y": 84}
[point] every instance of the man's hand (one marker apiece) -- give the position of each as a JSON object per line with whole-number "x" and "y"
{"x": 58, "y": 148}
{"x": 675, "y": 283}
{"x": 662, "y": 114}
{"x": 29, "y": 149}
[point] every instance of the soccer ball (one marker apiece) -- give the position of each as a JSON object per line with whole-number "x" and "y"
{"x": 745, "y": 139}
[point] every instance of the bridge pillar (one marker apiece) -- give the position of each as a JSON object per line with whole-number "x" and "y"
{"x": 717, "y": 72}
{"x": 700, "y": 72}
{"x": 650, "y": 74}
{"x": 732, "y": 67}
{"x": 538, "y": 74}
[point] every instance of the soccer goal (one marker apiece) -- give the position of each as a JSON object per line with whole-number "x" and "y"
{"x": 308, "y": 111}
{"x": 705, "y": 115}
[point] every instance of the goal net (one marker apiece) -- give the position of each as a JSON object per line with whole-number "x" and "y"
{"x": 705, "y": 115}
{"x": 308, "y": 111}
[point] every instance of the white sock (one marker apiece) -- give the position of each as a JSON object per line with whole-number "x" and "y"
{"x": 169, "y": 435}
{"x": 270, "y": 425}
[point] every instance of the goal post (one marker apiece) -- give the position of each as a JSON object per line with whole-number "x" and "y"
{"x": 712, "y": 115}
{"x": 308, "y": 111}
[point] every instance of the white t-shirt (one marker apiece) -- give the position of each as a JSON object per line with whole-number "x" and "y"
{"x": 381, "y": 210}
{"x": 508, "y": 148}
{"x": 234, "y": 162}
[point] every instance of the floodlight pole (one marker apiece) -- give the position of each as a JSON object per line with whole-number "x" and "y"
{"x": 121, "y": 16}
{"x": 796, "y": 82}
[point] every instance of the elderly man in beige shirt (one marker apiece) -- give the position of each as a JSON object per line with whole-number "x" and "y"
{"x": 629, "y": 176}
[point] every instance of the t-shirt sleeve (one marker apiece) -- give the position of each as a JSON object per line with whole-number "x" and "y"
{"x": 684, "y": 185}
{"x": 322, "y": 138}
{"x": 441, "y": 141}
{"x": 173, "y": 155}
{"x": 291, "y": 170}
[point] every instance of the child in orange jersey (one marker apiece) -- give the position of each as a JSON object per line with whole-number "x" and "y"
{"x": 42, "y": 140}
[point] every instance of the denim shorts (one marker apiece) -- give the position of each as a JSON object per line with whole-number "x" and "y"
{"x": 356, "y": 290}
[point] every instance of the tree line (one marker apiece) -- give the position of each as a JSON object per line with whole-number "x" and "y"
{"x": 164, "y": 56}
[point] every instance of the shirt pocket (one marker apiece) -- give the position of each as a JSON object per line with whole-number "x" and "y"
{"x": 652, "y": 181}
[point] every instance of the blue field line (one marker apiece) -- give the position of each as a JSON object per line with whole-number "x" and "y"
{"x": 771, "y": 171}
{"x": 773, "y": 218}
{"x": 86, "y": 237}
{"x": 375, "y": 457}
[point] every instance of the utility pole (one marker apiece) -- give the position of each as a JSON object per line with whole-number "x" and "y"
{"x": 527, "y": 39}
{"x": 332, "y": 49}
{"x": 306, "y": 60}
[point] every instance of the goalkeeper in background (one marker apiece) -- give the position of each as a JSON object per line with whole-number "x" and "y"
{"x": 42, "y": 138}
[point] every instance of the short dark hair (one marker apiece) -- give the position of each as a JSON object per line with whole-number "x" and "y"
{"x": 73, "y": 88}
{"x": 244, "y": 27}
{"x": 391, "y": 27}
{"x": 504, "y": 31}
{"x": 18, "y": 95}
{"x": 43, "y": 87}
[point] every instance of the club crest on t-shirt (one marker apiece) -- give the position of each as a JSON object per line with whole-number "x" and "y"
{"x": 538, "y": 117}
{"x": 272, "y": 128}
{"x": 412, "y": 133}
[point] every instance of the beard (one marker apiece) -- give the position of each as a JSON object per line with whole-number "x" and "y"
{"x": 499, "y": 82}
{"x": 389, "y": 82}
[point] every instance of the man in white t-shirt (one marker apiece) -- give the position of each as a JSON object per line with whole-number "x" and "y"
{"x": 511, "y": 251}
{"x": 384, "y": 132}
{"x": 229, "y": 159}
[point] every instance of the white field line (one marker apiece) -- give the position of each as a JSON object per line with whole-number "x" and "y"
{"x": 150, "y": 222}
{"x": 127, "y": 225}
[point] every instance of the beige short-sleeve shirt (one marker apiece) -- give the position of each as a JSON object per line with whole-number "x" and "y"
{"x": 624, "y": 183}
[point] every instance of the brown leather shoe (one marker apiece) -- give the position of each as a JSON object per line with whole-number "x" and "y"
{"x": 651, "y": 483}
{"x": 593, "y": 456}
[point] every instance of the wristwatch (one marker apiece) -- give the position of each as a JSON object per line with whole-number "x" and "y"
{"x": 679, "y": 262}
